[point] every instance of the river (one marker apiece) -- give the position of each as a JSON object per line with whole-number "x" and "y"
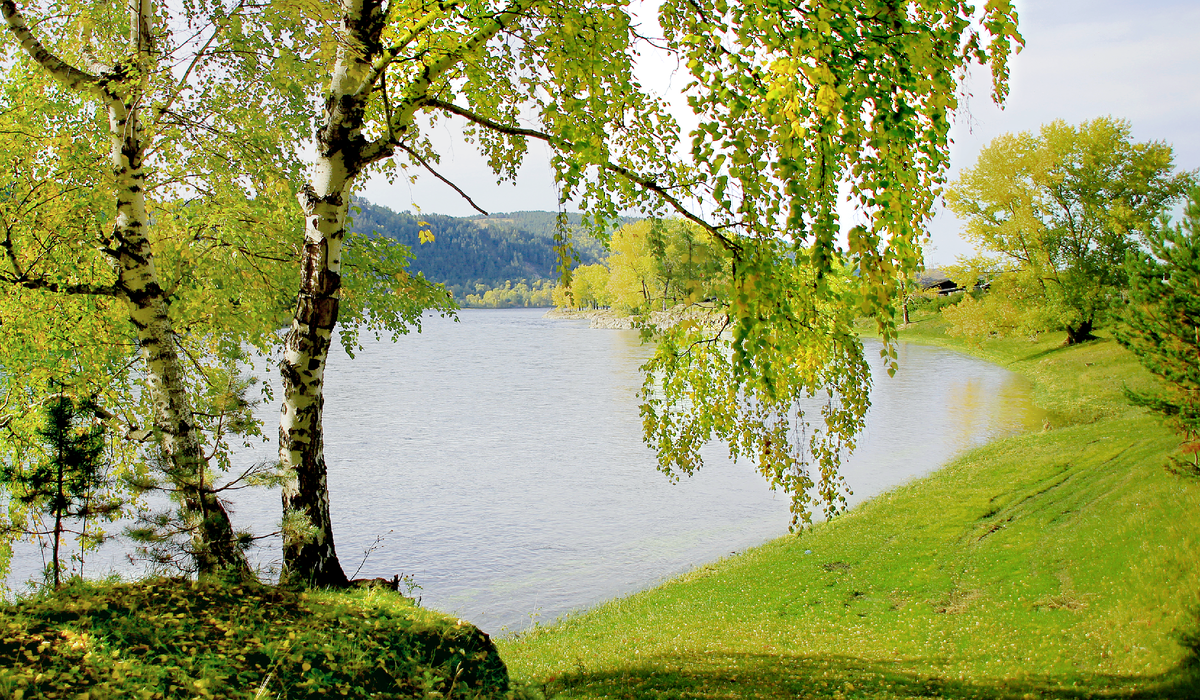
{"x": 498, "y": 461}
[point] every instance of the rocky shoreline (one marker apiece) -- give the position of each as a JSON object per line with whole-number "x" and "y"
{"x": 598, "y": 318}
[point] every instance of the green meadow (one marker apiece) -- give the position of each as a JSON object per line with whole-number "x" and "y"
{"x": 1056, "y": 564}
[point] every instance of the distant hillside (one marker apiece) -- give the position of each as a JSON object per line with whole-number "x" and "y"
{"x": 472, "y": 254}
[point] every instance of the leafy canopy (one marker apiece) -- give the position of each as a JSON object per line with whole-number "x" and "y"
{"x": 802, "y": 105}
{"x": 1058, "y": 212}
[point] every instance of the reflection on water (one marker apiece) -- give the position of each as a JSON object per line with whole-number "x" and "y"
{"x": 965, "y": 399}
{"x": 939, "y": 404}
{"x": 500, "y": 458}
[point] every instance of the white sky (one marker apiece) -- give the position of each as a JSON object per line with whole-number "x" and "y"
{"x": 1083, "y": 59}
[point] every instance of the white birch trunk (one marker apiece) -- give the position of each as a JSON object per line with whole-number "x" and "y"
{"x": 214, "y": 545}
{"x": 121, "y": 89}
{"x": 213, "y": 542}
{"x": 309, "y": 554}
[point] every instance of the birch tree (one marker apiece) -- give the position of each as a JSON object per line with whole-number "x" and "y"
{"x": 120, "y": 86}
{"x": 110, "y": 112}
{"x": 794, "y": 100}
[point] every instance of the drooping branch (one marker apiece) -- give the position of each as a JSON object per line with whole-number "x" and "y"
{"x": 646, "y": 182}
{"x": 425, "y": 164}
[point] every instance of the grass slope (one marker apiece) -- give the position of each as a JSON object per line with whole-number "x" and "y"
{"x": 1061, "y": 564}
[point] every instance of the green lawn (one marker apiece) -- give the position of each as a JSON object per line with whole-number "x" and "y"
{"x": 1059, "y": 564}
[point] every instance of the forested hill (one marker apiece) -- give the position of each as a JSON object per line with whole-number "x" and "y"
{"x": 469, "y": 254}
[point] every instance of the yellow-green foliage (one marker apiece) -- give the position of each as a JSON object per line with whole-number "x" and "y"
{"x": 521, "y": 294}
{"x": 658, "y": 264}
{"x": 173, "y": 638}
{"x": 1060, "y": 208}
{"x": 1011, "y": 308}
{"x": 634, "y": 282}
{"x": 590, "y": 286}
{"x": 1059, "y": 564}
{"x": 561, "y": 297}
{"x": 654, "y": 265}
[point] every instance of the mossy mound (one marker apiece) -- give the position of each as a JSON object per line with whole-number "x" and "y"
{"x": 174, "y": 638}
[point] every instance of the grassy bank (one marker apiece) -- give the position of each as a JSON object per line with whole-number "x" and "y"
{"x": 174, "y": 638}
{"x": 1061, "y": 564}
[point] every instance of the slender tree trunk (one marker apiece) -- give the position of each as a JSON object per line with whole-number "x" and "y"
{"x": 84, "y": 516}
{"x": 121, "y": 89}
{"x": 308, "y": 548}
{"x": 214, "y": 543}
{"x": 58, "y": 513}
{"x": 309, "y": 555}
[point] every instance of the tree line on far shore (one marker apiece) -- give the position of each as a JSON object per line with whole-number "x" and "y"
{"x": 495, "y": 261}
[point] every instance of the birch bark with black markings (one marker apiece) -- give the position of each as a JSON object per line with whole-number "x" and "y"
{"x": 120, "y": 89}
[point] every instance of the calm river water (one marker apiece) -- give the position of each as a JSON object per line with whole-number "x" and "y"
{"x": 500, "y": 460}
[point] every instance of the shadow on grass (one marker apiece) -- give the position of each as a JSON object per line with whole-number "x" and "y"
{"x": 1047, "y": 352}
{"x": 845, "y": 677}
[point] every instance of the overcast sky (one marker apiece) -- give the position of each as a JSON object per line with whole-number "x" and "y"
{"x": 1082, "y": 59}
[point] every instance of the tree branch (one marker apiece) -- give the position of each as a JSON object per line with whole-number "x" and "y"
{"x": 22, "y": 278}
{"x": 645, "y": 182}
{"x": 71, "y": 76}
{"x": 183, "y": 80}
{"x": 61, "y": 288}
{"x": 127, "y": 431}
{"x": 417, "y": 157}
{"x": 380, "y": 66}
{"x": 417, "y": 93}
